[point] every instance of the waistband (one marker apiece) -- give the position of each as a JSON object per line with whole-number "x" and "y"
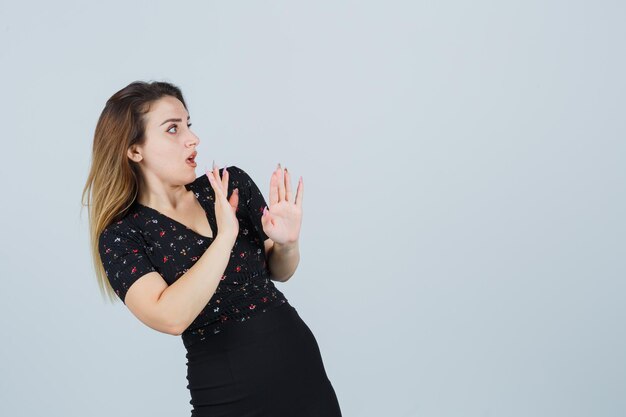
{"x": 239, "y": 333}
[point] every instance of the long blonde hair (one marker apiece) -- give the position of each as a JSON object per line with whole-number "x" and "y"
{"x": 114, "y": 180}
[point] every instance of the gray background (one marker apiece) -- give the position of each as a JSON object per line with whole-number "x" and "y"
{"x": 463, "y": 233}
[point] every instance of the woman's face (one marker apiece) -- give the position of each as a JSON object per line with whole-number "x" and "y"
{"x": 168, "y": 144}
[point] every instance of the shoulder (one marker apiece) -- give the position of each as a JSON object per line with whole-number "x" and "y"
{"x": 121, "y": 231}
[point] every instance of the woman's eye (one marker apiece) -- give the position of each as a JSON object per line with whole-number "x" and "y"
{"x": 175, "y": 126}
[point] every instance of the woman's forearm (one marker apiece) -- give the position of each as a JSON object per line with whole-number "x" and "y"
{"x": 283, "y": 260}
{"x": 182, "y": 301}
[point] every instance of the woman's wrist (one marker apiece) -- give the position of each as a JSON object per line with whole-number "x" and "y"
{"x": 286, "y": 247}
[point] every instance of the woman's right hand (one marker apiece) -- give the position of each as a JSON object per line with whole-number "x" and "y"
{"x": 227, "y": 222}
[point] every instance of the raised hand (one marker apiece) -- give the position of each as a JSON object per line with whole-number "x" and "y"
{"x": 225, "y": 217}
{"x": 283, "y": 219}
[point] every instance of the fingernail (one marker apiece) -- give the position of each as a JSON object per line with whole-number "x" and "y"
{"x": 225, "y": 167}
{"x": 213, "y": 164}
{"x": 236, "y": 190}
{"x": 286, "y": 172}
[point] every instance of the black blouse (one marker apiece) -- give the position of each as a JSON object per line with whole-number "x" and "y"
{"x": 146, "y": 240}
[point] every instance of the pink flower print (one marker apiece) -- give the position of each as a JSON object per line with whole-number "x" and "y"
{"x": 238, "y": 269}
{"x": 164, "y": 259}
{"x": 162, "y": 233}
{"x": 132, "y": 271}
{"x": 264, "y": 299}
{"x": 252, "y": 307}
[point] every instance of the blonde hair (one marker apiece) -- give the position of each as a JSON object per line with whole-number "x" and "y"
{"x": 114, "y": 180}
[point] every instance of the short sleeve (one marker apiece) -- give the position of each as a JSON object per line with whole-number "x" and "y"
{"x": 123, "y": 257}
{"x": 253, "y": 198}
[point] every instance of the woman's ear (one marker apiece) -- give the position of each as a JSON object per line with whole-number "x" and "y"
{"x": 134, "y": 154}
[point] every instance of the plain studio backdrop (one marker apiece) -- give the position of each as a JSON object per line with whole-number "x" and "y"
{"x": 462, "y": 245}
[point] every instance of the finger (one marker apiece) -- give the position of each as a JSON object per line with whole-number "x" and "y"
{"x": 273, "y": 189}
{"x": 216, "y": 172}
{"x": 226, "y": 181}
{"x": 218, "y": 178}
{"x": 299, "y": 193}
{"x": 225, "y": 176}
{"x": 215, "y": 184}
{"x": 223, "y": 182}
{"x": 211, "y": 177}
{"x": 287, "y": 186}
{"x": 281, "y": 184}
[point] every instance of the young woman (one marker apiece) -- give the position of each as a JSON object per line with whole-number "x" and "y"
{"x": 197, "y": 257}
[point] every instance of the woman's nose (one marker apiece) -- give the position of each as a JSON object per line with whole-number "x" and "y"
{"x": 194, "y": 140}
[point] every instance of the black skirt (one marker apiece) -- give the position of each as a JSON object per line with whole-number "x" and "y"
{"x": 267, "y": 366}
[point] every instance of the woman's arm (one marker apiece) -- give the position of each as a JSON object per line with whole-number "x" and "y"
{"x": 171, "y": 309}
{"x": 283, "y": 259}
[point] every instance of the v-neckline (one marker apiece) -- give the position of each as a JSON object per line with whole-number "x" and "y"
{"x": 209, "y": 219}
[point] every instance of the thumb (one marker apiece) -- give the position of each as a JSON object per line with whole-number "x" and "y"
{"x": 265, "y": 218}
{"x": 234, "y": 199}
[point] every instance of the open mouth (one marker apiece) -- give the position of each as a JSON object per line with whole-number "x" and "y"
{"x": 191, "y": 161}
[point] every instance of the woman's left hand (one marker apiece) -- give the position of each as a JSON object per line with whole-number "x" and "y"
{"x": 282, "y": 221}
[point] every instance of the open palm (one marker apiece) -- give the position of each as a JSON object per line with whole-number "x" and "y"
{"x": 283, "y": 219}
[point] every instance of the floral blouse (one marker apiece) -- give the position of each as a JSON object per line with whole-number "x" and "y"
{"x": 145, "y": 240}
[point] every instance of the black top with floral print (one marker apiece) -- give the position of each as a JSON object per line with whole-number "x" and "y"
{"x": 145, "y": 240}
